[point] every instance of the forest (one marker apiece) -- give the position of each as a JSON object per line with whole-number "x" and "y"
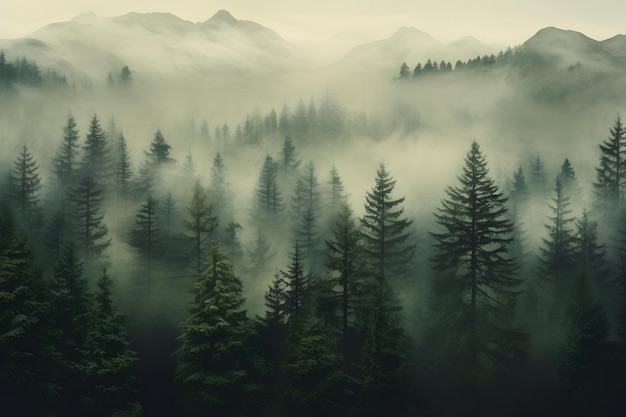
{"x": 503, "y": 327}
{"x": 240, "y": 269}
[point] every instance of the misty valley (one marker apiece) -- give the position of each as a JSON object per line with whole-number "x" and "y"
{"x": 201, "y": 219}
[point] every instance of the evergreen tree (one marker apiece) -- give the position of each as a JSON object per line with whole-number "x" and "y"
{"x": 201, "y": 222}
{"x": 72, "y": 306}
{"x": 111, "y": 361}
{"x": 385, "y": 231}
{"x": 65, "y": 161}
{"x": 189, "y": 167}
{"x": 289, "y": 161}
{"x": 268, "y": 198}
{"x": 336, "y": 196}
{"x": 296, "y": 282}
{"x": 216, "y": 359}
{"x": 56, "y": 235}
{"x": 405, "y": 71}
{"x": 583, "y": 356}
{"x": 159, "y": 152}
{"x": 475, "y": 285}
{"x": 27, "y": 338}
{"x": 145, "y": 235}
{"x": 519, "y": 192}
{"x": 557, "y": 253}
{"x": 123, "y": 169}
{"x": 611, "y": 173}
{"x": 588, "y": 253}
{"x": 306, "y": 209}
{"x": 537, "y": 175}
{"x": 345, "y": 265}
{"x": 25, "y": 187}
{"x": 96, "y": 153}
{"x": 91, "y": 232}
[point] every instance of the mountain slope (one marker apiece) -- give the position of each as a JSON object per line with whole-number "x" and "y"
{"x": 161, "y": 43}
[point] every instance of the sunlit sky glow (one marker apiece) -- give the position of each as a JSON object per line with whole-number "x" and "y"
{"x": 497, "y": 22}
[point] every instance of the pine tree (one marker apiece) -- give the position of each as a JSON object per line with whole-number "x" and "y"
{"x": 65, "y": 161}
{"x": 25, "y": 187}
{"x": 385, "y": 231}
{"x": 215, "y": 359}
{"x": 91, "y": 232}
{"x": 289, "y": 161}
{"x": 297, "y": 283}
{"x": 557, "y": 253}
{"x": 72, "y": 306}
{"x": 587, "y": 327}
{"x": 145, "y": 235}
{"x": 159, "y": 152}
{"x": 189, "y": 167}
{"x": 537, "y": 175}
{"x": 611, "y": 174}
{"x": 588, "y": 253}
{"x": 111, "y": 361}
{"x": 201, "y": 222}
{"x": 475, "y": 285}
{"x": 345, "y": 265}
{"x": 123, "y": 169}
{"x": 336, "y": 196}
{"x": 405, "y": 71}
{"x": 27, "y": 338}
{"x": 96, "y": 153}
{"x": 268, "y": 198}
{"x": 519, "y": 192}
{"x": 306, "y": 209}
{"x": 56, "y": 235}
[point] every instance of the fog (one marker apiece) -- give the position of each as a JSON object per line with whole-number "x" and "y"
{"x": 554, "y": 96}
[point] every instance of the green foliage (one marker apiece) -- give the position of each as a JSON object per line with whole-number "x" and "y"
{"x": 611, "y": 174}
{"x": 216, "y": 362}
{"x": 65, "y": 161}
{"x": 110, "y": 362}
{"x": 96, "y": 153}
{"x": 25, "y": 187}
{"x": 91, "y": 233}
{"x": 475, "y": 284}
{"x": 268, "y": 202}
{"x": 27, "y": 338}
{"x": 200, "y": 221}
{"x": 159, "y": 152}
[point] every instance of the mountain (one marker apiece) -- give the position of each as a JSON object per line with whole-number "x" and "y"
{"x": 568, "y": 47}
{"x": 159, "y": 43}
{"x": 409, "y": 45}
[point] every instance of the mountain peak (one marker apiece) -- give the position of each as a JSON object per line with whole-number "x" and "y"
{"x": 222, "y": 17}
{"x": 407, "y": 32}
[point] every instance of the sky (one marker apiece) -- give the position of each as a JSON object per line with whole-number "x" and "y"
{"x": 498, "y": 22}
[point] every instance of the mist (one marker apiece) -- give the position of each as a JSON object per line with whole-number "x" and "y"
{"x": 208, "y": 111}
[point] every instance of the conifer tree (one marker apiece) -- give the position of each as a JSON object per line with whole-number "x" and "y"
{"x": 145, "y": 235}
{"x": 201, "y": 222}
{"x": 589, "y": 255}
{"x": 215, "y": 359}
{"x": 519, "y": 192}
{"x": 289, "y": 161}
{"x": 345, "y": 264}
{"x": 159, "y": 152}
{"x": 268, "y": 198}
{"x": 96, "y": 153}
{"x": 25, "y": 186}
{"x": 297, "y": 283}
{"x": 123, "y": 169}
{"x": 91, "y": 232}
{"x": 66, "y": 159}
{"x": 475, "y": 285}
{"x": 611, "y": 174}
{"x": 336, "y": 196}
{"x": 111, "y": 361}
{"x": 189, "y": 167}
{"x": 56, "y": 235}
{"x": 538, "y": 175}
{"x": 72, "y": 306}
{"x": 557, "y": 252}
{"x": 27, "y": 337}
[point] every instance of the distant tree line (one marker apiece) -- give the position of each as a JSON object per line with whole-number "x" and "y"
{"x": 21, "y": 71}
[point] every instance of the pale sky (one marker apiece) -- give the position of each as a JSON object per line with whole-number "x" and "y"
{"x": 499, "y": 22}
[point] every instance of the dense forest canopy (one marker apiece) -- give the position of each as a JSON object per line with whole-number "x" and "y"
{"x": 315, "y": 256}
